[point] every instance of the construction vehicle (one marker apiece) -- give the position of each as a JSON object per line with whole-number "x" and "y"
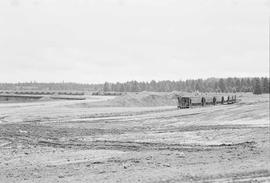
{"x": 184, "y": 102}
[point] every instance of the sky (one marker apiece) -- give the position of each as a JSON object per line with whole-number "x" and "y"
{"x": 93, "y": 41}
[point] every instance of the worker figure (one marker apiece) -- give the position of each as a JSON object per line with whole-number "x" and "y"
{"x": 179, "y": 102}
{"x": 203, "y": 101}
{"x": 214, "y": 100}
{"x": 222, "y": 100}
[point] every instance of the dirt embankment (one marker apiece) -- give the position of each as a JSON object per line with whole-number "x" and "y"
{"x": 142, "y": 99}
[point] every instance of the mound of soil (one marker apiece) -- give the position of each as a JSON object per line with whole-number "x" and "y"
{"x": 144, "y": 99}
{"x": 46, "y": 98}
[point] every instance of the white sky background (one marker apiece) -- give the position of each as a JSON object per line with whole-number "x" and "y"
{"x": 93, "y": 41}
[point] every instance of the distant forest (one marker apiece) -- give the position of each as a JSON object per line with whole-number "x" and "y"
{"x": 63, "y": 86}
{"x": 255, "y": 85}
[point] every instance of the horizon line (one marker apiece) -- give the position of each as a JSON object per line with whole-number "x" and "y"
{"x": 146, "y": 81}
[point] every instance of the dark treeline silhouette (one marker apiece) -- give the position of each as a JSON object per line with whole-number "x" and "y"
{"x": 51, "y": 86}
{"x": 255, "y": 85}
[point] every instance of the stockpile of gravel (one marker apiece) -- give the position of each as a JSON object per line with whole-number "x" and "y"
{"x": 144, "y": 99}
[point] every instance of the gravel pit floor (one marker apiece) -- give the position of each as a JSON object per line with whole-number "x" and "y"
{"x": 228, "y": 143}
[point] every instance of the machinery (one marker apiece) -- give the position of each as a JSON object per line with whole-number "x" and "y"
{"x": 184, "y": 102}
{"x": 188, "y": 102}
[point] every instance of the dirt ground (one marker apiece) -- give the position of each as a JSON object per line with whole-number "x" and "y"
{"x": 65, "y": 142}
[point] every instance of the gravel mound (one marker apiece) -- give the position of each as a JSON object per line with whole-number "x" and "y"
{"x": 144, "y": 99}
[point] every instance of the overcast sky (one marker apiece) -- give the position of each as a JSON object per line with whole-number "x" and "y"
{"x": 93, "y": 41}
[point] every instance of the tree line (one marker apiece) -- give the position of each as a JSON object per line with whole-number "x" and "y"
{"x": 63, "y": 86}
{"x": 255, "y": 85}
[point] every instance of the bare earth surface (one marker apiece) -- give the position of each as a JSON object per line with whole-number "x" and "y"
{"x": 67, "y": 141}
